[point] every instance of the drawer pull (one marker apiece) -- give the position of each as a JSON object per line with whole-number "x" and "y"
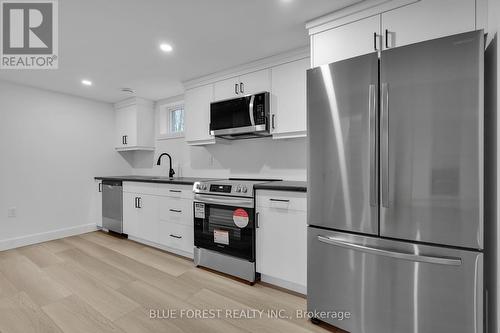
{"x": 279, "y": 200}
{"x": 175, "y": 191}
{"x": 175, "y": 236}
{"x": 176, "y": 210}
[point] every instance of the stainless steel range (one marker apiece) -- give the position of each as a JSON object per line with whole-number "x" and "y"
{"x": 224, "y": 226}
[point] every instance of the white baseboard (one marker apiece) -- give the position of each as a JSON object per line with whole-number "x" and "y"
{"x": 284, "y": 284}
{"x": 12, "y": 243}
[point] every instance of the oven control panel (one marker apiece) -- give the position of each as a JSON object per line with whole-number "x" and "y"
{"x": 236, "y": 189}
{"x": 220, "y": 188}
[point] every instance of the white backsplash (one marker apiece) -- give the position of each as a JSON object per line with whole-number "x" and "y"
{"x": 254, "y": 158}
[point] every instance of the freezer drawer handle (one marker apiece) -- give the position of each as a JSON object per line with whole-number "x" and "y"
{"x": 175, "y": 236}
{"x": 176, "y": 210}
{"x": 392, "y": 254}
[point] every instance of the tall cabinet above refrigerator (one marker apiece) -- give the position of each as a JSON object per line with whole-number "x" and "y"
{"x": 395, "y": 188}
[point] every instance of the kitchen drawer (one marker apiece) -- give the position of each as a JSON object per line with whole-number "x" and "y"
{"x": 140, "y": 188}
{"x": 176, "y": 210}
{"x": 176, "y": 191}
{"x": 281, "y": 200}
{"x": 177, "y": 236}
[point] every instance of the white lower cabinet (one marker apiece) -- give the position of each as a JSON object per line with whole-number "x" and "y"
{"x": 141, "y": 216}
{"x": 159, "y": 215}
{"x": 130, "y": 220}
{"x": 176, "y": 224}
{"x": 281, "y": 239}
{"x": 177, "y": 236}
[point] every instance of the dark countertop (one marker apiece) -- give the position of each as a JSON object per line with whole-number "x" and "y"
{"x": 155, "y": 179}
{"x": 283, "y": 185}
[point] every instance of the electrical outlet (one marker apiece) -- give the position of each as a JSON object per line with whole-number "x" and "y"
{"x": 12, "y": 212}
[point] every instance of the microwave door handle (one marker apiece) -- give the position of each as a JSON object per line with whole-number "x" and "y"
{"x": 250, "y": 110}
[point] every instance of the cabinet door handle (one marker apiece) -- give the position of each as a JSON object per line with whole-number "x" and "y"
{"x": 387, "y": 39}
{"x": 279, "y": 200}
{"x": 100, "y": 187}
{"x": 175, "y": 236}
{"x": 236, "y": 88}
{"x": 124, "y": 139}
{"x": 176, "y": 210}
{"x": 375, "y": 41}
{"x": 175, "y": 191}
{"x": 135, "y": 202}
{"x": 242, "y": 88}
{"x": 257, "y": 219}
{"x": 139, "y": 202}
{"x": 272, "y": 121}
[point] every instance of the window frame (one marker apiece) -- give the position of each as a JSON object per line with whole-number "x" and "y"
{"x": 164, "y": 111}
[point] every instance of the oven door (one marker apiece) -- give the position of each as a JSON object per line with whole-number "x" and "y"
{"x": 225, "y": 224}
{"x": 239, "y": 116}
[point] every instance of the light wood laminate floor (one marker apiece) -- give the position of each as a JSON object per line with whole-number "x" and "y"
{"x": 99, "y": 283}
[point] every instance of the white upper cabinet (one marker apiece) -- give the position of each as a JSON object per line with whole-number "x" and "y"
{"x": 347, "y": 41}
{"x": 226, "y": 89}
{"x": 288, "y": 99}
{"x": 255, "y": 82}
{"x": 242, "y": 85}
{"x": 390, "y": 24}
{"x": 197, "y": 115}
{"x": 134, "y": 125}
{"x": 427, "y": 19}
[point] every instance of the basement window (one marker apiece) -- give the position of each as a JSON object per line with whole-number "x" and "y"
{"x": 171, "y": 120}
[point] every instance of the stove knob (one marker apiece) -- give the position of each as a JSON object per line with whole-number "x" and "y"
{"x": 198, "y": 186}
{"x": 238, "y": 188}
{"x": 204, "y": 187}
{"x": 244, "y": 189}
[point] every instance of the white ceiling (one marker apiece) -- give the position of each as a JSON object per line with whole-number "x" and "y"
{"x": 114, "y": 43}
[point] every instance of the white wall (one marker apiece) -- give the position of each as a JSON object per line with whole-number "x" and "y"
{"x": 257, "y": 158}
{"x": 51, "y": 145}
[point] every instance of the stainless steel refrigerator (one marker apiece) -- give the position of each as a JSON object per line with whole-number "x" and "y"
{"x": 395, "y": 188}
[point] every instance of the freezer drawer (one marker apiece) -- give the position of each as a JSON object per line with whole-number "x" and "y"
{"x": 392, "y": 286}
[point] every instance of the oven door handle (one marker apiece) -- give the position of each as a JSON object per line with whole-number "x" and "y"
{"x": 223, "y": 200}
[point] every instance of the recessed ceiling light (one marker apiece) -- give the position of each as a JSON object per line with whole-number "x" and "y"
{"x": 166, "y": 47}
{"x": 86, "y": 82}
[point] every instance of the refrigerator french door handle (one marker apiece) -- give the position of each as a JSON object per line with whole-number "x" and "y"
{"x": 385, "y": 144}
{"x": 391, "y": 254}
{"x": 372, "y": 113}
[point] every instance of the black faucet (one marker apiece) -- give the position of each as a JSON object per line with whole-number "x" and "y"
{"x": 171, "y": 171}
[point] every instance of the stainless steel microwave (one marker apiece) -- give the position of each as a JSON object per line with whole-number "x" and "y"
{"x": 240, "y": 118}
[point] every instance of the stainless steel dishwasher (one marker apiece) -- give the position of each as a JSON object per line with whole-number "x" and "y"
{"x": 112, "y": 206}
